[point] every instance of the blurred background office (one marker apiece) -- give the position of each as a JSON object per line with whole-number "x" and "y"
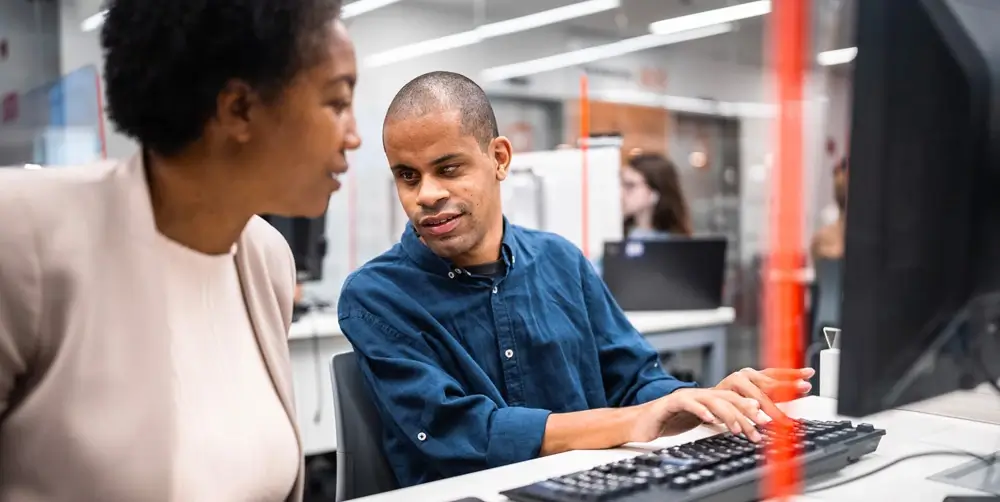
{"x": 703, "y": 99}
{"x": 681, "y": 92}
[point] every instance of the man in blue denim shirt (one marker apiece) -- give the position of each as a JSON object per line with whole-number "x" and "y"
{"x": 486, "y": 344}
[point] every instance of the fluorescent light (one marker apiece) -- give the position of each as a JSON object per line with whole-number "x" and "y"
{"x": 359, "y": 7}
{"x": 350, "y": 10}
{"x": 423, "y": 48}
{"x": 547, "y": 17}
{"x": 711, "y": 17}
{"x": 599, "y": 52}
{"x": 94, "y": 22}
{"x": 32, "y": 166}
{"x": 500, "y": 28}
{"x": 665, "y": 32}
{"x": 688, "y": 104}
{"x": 839, "y": 56}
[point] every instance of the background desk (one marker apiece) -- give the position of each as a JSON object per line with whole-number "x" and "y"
{"x": 317, "y": 337}
{"x": 908, "y": 432}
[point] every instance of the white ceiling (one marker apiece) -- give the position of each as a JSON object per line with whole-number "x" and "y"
{"x": 832, "y": 25}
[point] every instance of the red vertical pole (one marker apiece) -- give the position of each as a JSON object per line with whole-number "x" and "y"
{"x": 783, "y": 294}
{"x": 585, "y": 173}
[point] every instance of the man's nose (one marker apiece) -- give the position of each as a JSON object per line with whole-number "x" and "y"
{"x": 431, "y": 193}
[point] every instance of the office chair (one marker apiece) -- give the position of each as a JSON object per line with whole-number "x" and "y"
{"x": 362, "y": 468}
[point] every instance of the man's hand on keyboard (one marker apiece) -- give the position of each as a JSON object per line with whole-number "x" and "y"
{"x": 685, "y": 409}
{"x": 769, "y": 386}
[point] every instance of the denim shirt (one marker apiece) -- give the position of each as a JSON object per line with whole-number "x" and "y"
{"x": 465, "y": 370}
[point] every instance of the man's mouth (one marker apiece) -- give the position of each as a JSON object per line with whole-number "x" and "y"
{"x": 436, "y": 222}
{"x": 440, "y": 225}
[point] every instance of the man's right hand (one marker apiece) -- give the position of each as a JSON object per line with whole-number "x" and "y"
{"x": 685, "y": 409}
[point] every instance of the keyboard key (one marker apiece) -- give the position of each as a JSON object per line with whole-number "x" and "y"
{"x": 680, "y": 483}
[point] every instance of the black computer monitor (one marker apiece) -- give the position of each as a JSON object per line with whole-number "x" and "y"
{"x": 922, "y": 258}
{"x": 307, "y": 239}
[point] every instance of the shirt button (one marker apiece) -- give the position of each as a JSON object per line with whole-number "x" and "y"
{"x": 451, "y": 275}
{"x": 509, "y": 353}
{"x": 421, "y": 436}
{"x": 495, "y": 289}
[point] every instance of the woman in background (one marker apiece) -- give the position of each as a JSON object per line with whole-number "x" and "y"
{"x": 653, "y": 203}
{"x": 828, "y": 243}
{"x": 144, "y": 308}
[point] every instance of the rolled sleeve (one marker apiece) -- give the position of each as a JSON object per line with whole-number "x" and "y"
{"x": 658, "y": 388}
{"x": 435, "y": 428}
{"x": 516, "y": 435}
{"x": 630, "y": 366}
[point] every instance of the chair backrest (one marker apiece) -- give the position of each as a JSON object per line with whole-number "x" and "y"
{"x": 829, "y": 276}
{"x": 362, "y": 468}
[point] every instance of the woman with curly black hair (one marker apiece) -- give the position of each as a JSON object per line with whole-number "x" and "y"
{"x": 144, "y": 308}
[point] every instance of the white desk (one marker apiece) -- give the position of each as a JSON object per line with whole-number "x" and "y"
{"x": 980, "y": 404}
{"x": 315, "y": 338}
{"x": 908, "y": 432}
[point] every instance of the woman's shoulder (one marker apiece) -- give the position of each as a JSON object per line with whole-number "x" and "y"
{"x": 30, "y": 196}
{"x": 265, "y": 246}
{"x": 269, "y": 262}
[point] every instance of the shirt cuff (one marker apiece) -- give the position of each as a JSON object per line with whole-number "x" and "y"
{"x": 516, "y": 435}
{"x": 659, "y": 388}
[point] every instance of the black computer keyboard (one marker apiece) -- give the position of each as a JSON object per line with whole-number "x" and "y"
{"x": 720, "y": 468}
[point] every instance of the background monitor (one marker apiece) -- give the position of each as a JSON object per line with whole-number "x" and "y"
{"x": 923, "y": 214}
{"x": 307, "y": 239}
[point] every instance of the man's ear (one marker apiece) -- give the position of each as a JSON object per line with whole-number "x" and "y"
{"x": 502, "y": 152}
{"x": 235, "y": 106}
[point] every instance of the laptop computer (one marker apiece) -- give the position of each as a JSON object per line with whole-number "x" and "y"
{"x": 674, "y": 274}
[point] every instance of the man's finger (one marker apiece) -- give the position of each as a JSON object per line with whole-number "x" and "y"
{"x": 701, "y": 411}
{"x": 785, "y": 374}
{"x": 743, "y": 411}
{"x": 772, "y": 386}
{"x": 746, "y": 388}
{"x": 731, "y": 417}
{"x": 786, "y": 391}
{"x": 749, "y": 410}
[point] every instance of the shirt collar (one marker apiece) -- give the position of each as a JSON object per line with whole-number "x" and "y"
{"x": 427, "y": 260}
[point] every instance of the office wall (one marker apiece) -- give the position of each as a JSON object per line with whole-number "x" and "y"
{"x": 30, "y": 31}
{"x": 78, "y": 49}
{"x": 838, "y": 123}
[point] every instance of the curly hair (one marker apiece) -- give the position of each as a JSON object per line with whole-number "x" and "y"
{"x": 167, "y": 60}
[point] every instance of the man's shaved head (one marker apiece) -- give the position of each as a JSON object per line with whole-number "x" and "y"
{"x": 446, "y": 91}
